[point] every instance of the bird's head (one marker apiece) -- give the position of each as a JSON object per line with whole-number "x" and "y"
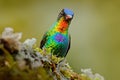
{"x": 67, "y": 14}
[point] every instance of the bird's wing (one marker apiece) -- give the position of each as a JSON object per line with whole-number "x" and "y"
{"x": 43, "y": 41}
{"x": 69, "y": 44}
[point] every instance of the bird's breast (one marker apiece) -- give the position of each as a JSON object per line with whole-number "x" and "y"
{"x": 56, "y": 40}
{"x": 60, "y": 38}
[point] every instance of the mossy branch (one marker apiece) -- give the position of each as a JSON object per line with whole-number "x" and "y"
{"x": 25, "y": 61}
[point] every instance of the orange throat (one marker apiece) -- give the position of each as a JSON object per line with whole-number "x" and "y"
{"x": 62, "y": 26}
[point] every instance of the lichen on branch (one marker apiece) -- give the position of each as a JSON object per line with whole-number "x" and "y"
{"x": 26, "y": 61}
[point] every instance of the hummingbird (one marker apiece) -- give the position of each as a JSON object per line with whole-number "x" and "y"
{"x": 57, "y": 39}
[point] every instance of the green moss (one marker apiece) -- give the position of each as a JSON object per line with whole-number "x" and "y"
{"x": 25, "y": 61}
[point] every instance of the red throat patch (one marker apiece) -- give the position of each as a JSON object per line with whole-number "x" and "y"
{"x": 63, "y": 25}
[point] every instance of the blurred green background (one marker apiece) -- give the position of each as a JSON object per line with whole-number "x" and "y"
{"x": 95, "y": 29}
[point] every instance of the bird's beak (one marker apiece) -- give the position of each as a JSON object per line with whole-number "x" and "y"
{"x": 67, "y": 17}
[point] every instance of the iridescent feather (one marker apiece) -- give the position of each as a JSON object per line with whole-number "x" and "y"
{"x": 57, "y": 39}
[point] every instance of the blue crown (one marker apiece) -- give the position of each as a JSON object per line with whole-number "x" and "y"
{"x": 68, "y": 11}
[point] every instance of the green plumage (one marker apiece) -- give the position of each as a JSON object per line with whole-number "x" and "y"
{"x": 57, "y": 39}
